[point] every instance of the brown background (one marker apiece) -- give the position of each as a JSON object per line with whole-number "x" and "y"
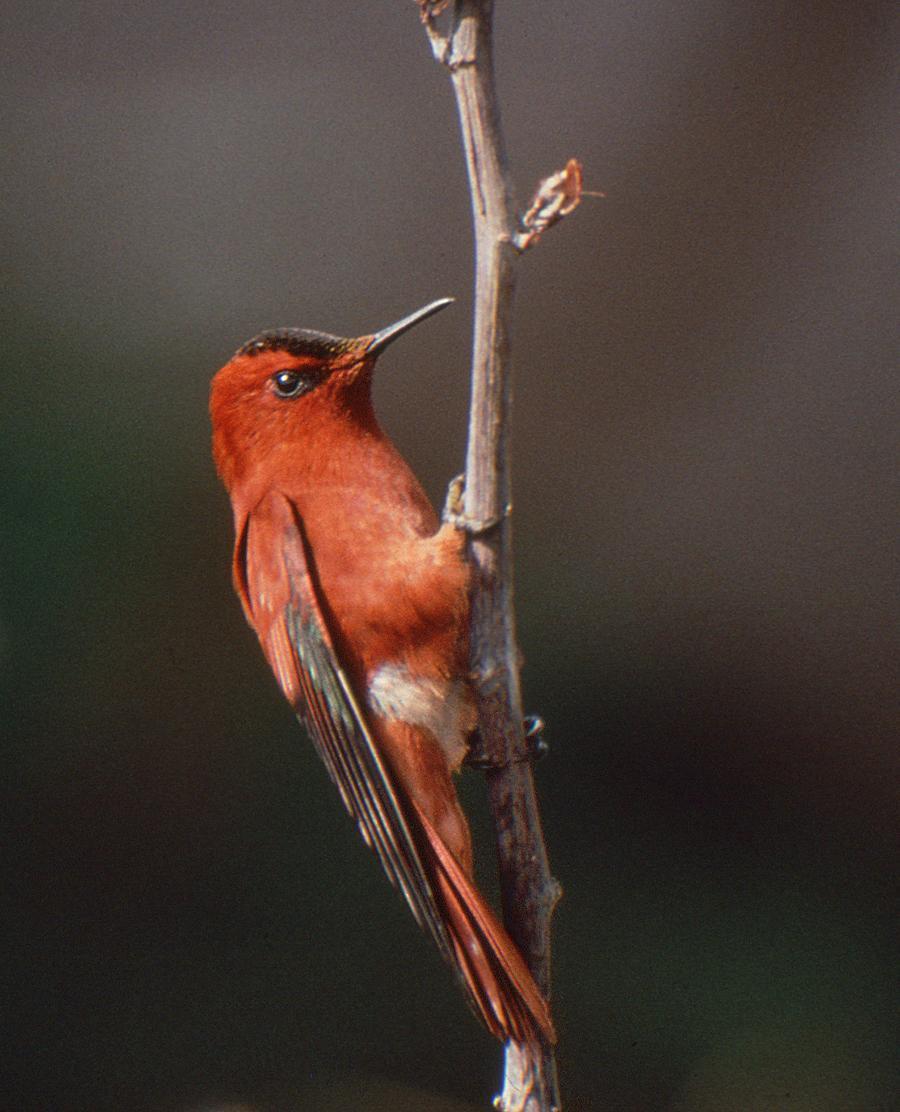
{"x": 704, "y": 473}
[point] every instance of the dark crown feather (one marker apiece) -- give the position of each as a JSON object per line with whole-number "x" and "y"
{"x": 297, "y": 341}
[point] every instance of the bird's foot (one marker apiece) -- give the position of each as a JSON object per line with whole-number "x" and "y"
{"x": 534, "y": 738}
{"x": 536, "y": 748}
{"x": 454, "y": 514}
{"x": 453, "y": 504}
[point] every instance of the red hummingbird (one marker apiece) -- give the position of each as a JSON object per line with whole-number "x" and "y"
{"x": 359, "y": 597}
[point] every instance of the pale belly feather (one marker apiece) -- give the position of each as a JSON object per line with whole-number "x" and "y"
{"x": 443, "y": 707}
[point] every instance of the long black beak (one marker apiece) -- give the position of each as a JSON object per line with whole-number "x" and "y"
{"x": 387, "y": 335}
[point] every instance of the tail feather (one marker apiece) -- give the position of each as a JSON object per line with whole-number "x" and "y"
{"x": 502, "y": 988}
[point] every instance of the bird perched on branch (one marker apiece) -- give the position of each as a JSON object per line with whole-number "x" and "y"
{"x": 359, "y": 598}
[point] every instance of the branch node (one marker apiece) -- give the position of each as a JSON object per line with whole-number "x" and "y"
{"x": 458, "y": 61}
{"x": 478, "y": 527}
{"x": 554, "y": 198}
{"x": 429, "y": 10}
{"x": 455, "y": 48}
{"x": 523, "y": 1083}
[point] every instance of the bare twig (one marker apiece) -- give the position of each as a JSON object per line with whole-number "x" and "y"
{"x": 529, "y": 891}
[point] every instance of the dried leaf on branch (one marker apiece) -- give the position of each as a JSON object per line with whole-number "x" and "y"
{"x": 554, "y": 198}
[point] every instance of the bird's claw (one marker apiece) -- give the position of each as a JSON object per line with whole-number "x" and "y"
{"x": 534, "y": 738}
{"x": 536, "y": 748}
{"x": 455, "y": 515}
{"x": 453, "y": 504}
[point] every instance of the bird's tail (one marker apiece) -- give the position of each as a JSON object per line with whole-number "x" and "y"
{"x": 500, "y": 985}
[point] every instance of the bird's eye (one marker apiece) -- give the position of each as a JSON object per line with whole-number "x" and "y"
{"x": 290, "y": 384}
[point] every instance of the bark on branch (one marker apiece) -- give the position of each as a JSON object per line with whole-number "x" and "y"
{"x": 529, "y": 891}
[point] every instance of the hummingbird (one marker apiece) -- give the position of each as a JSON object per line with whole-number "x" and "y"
{"x": 359, "y": 596}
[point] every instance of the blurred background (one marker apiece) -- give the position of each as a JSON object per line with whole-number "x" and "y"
{"x": 703, "y": 470}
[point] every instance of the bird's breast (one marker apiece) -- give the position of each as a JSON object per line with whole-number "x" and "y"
{"x": 389, "y": 577}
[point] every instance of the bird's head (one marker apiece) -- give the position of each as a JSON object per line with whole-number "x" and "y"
{"x": 284, "y": 385}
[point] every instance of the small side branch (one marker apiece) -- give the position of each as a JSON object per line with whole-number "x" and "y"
{"x": 554, "y": 198}
{"x": 460, "y": 34}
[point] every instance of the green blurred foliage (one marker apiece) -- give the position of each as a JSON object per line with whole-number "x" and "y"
{"x": 705, "y": 568}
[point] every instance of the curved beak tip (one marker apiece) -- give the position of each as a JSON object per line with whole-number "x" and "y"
{"x": 386, "y": 336}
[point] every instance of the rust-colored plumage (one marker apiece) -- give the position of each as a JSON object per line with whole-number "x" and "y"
{"x": 359, "y": 597}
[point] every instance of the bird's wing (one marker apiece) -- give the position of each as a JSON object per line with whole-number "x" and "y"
{"x": 276, "y": 579}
